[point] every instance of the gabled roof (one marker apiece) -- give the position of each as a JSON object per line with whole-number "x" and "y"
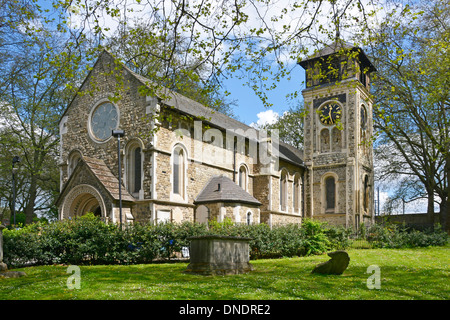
{"x": 223, "y": 189}
{"x": 193, "y": 108}
{"x": 101, "y": 173}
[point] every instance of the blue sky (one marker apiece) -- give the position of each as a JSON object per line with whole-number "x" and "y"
{"x": 249, "y": 105}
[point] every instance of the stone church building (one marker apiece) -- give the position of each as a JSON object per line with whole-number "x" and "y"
{"x": 182, "y": 161}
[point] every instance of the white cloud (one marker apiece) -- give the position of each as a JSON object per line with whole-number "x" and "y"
{"x": 265, "y": 117}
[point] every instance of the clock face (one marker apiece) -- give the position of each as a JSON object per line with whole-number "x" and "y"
{"x": 330, "y": 113}
{"x": 104, "y": 119}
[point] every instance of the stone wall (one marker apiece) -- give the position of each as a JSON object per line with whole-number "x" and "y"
{"x": 235, "y": 212}
{"x": 279, "y": 218}
{"x": 418, "y": 220}
{"x": 172, "y": 212}
{"x": 97, "y": 88}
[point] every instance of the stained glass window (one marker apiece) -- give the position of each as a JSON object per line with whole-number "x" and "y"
{"x": 330, "y": 189}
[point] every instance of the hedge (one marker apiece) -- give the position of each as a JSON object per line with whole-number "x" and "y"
{"x": 88, "y": 240}
{"x": 397, "y": 236}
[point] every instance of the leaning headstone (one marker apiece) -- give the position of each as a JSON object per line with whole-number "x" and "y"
{"x": 337, "y": 265}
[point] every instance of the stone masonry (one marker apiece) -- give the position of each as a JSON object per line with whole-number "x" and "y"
{"x": 174, "y": 146}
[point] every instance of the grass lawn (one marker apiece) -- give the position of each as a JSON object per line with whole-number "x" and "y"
{"x": 420, "y": 273}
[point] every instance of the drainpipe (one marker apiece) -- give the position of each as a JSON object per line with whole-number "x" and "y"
{"x": 234, "y": 159}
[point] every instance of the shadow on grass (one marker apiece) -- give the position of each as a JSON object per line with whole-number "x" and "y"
{"x": 288, "y": 278}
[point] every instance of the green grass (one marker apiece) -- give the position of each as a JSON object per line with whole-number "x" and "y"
{"x": 421, "y": 273}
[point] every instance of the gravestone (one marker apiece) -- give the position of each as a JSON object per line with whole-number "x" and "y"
{"x": 219, "y": 255}
{"x": 337, "y": 265}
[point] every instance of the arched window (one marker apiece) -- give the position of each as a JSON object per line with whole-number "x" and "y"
{"x": 325, "y": 140}
{"x": 242, "y": 177}
{"x": 178, "y": 178}
{"x": 297, "y": 193}
{"x": 134, "y": 168}
{"x": 249, "y": 218}
{"x": 330, "y": 194}
{"x": 283, "y": 190}
{"x": 336, "y": 143}
{"x": 74, "y": 158}
{"x": 366, "y": 194}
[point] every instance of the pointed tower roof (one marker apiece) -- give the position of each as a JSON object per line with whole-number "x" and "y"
{"x": 333, "y": 48}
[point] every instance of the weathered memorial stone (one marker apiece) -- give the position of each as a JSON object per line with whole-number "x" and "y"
{"x": 12, "y": 274}
{"x": 337, "y": 265}
{"x": 219, "y": 255}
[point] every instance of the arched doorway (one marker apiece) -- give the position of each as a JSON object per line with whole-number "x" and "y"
{"x": 81, "y": 200}
{"x": 85, "y": 203}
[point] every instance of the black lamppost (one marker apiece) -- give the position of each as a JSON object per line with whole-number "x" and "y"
{"x": 119, "y": 134}
{"x": 15, "y": 160}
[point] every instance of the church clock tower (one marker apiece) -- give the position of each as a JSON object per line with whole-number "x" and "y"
{"x": 338, "y": 136}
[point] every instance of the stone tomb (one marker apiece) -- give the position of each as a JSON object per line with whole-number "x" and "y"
{"x": 219, "y": 255}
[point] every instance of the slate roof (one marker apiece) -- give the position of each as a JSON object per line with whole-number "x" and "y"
{"x": 102, "y": 174}
{"x": 332, "y": 48}
{"x": 196, "y": 109}
{"x": 106, "y": 178}
{"x": 215, "y": 118}
{"x": 223, "y": 189}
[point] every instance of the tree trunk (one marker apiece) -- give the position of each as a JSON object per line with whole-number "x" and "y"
{"x": 29, "y": 208}
{"x": 443, "y": 214}
{"x": 430, "y": 208}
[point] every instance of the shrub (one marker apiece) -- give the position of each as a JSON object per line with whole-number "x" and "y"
{"x": 226, "y": 227}
{"x": 140, "y": 244}
{"x": 394, "y": 236}
{"x": 87, "y": 240}
{"x": 339, "y": 237}
{"x": 316, "y": 241}
{"x": 21, "y": 246}
{"x": 269, "y": 243}
{"x": 436, "y": 237}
